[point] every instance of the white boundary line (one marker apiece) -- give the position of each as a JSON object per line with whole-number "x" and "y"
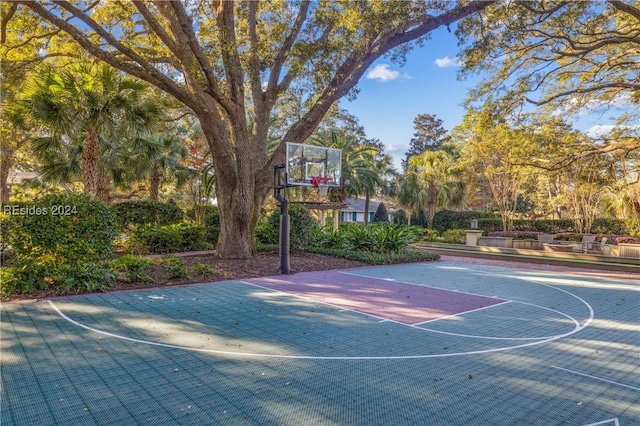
{"x": 340, "y": 308}
{"x": 382, "y": 319}
{"x": 459, "y": 313}
{"x": 615, "y": 421}
{"x": 594, "y": 377}
{"x": 417, "y": 285}
{"x": 344, "y": 358}
{"x": 473, "y": 336}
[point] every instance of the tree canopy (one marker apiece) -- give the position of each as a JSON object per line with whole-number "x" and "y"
{"x": 428, "y": 135}
{"x": 567, "y": 56}
{"x": 224, "y": 59}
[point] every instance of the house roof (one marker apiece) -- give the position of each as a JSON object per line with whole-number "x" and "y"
{"x": 357, "y": 205}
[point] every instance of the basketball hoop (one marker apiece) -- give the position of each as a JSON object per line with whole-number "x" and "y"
{"x": 322, "y": 183}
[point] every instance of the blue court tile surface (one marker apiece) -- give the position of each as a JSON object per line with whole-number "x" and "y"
{"x": 559, "y": 349}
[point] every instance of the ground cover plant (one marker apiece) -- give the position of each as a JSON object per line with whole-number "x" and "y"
{"x": 39, "y": 269}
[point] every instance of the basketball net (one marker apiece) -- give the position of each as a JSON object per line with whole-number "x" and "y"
{"x": 322, "y": 183}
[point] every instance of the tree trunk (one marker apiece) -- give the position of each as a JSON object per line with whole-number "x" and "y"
{"x": 239, "y": 193}
{"x": 367, "y": 199}
{"x": 104, "y": 187}
{"x": 5, "y": 166}
{"x": 90, "y": 159}
{"x": 431, "y": 214}
{"x": 154, "y": 183}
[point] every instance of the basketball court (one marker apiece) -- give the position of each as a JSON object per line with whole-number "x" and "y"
{"x": 452, "y": 342}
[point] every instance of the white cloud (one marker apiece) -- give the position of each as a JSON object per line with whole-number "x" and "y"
{"x": 606, "y": 130}
{"x": 600, "y": 130}
{"x": 382, "y": 72}
{"x": 447, "y": 62}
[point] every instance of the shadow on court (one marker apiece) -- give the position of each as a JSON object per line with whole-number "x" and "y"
{"x": 561, "y": 350}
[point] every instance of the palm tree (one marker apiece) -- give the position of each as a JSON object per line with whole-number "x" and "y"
{"x": 438, "y": 181}
{"x": 84, "y": 105}
{"x": 359, "y": 175}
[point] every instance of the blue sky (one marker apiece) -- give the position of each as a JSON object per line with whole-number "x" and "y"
{"x": 391, "y": 96}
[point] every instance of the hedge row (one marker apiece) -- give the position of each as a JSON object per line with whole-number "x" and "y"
{"x": 491, "y": 222}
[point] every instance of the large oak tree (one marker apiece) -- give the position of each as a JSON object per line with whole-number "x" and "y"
{"x": 223, "y": 59}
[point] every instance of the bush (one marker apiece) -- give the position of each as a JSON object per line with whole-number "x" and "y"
{"x": 199, "y": 211}
{"x": 302, "y": 227}
{"x": 376, "y": 258}
{"x": 84, "y": 277}
{"x": 400, "y": 217}
{"x": 201, "y": 269}
{"x": 169, "y": 238}
{"x": 132, "y": 214}
{"x": 448, "y": 219}
{"x": 381, "y": 214}
{"x": 517, "y": 235}
{"x": 381, "y": 237}
{"x": 328, "y": 237}
{"x": 172, "y": 266}
{"x": 212, "y": 225}
{"x": 9, "y": 283}
{"x": 82, "y": 230}
{"x": 454, "y": 236}
{"x": 132, "y": 267}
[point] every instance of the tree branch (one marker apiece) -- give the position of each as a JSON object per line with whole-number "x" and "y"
{"x": 5, "y": 20}
{"x": 143, "y": 70}
{"x": 624, "y": 7}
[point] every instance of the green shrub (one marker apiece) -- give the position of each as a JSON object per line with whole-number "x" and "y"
{"x": 132, "y": 267}
{"x": 327, "y": 237}
{"x": 448, "y": 219}
{"x": 170, "y": 238}
{"x": 516, "y": 235}
{"x": 201, "y": 269}
{"x": 212, "y": 224}
{"x": 376, "y": 258}
{"x": 84, "y": 277}
{"x": 77, "y": 277}
{"x": 454, "y": 236}
{"x": 359, "y": 237}
{"x": 381, "y": 237}
{"x": 172, "y": 266}
{"x": 431, "y": 235}
{"x": 400, "y": 217}
{"x": 73, "y": 227}
{"x": 132, "y": 214}
{"x": 158, "y": 239}
{"x": 198, "y": 212}
{"x": 9, "y": 283}
{"x": 301, "y": 225}
{"x": 611, "y": 227}
{"x": 381, "y": 214}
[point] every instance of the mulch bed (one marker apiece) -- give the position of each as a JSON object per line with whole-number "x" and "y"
{"x": 261, "y": 265}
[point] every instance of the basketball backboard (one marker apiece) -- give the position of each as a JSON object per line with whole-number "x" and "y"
{"x": 308, "y": 164}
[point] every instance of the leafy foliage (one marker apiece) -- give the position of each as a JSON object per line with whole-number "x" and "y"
{"x": 449, "y": 219}
{"x": 428, "y": 135}
{"x": 136, "y": 213}
{"x": 373, "y": 258}
{"x": 313, "y": 53}
{"x": 61, "y": 239}
{"x": 178, "y": 237}
{"x": 86, "y": 235}
{"x": 379, "y": 238}
{"x": 301, "y": 227}
{"x": 132, "y": 267}
{"x": 381, "y": 214}
{"x": 173, "y": 266}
